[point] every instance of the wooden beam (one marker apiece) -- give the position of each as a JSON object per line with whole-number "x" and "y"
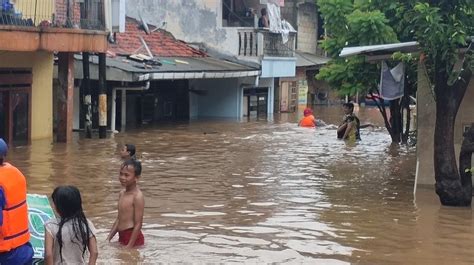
{"x": 16, "y": 79}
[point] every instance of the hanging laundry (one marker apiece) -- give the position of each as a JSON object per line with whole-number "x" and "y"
{"x": 392, "y": 81}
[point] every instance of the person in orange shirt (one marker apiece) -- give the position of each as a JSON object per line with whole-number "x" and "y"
{"x": 308, "y": 120}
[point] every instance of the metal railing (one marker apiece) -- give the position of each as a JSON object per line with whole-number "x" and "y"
{"x": 261, "y": 42}
{"x": 275, "y": 47}
{"x": 80, "y": 14}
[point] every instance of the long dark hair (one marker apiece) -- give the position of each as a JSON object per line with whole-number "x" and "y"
{"x": 68, "y": 202}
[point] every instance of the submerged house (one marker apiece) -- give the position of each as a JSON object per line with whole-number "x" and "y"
{"x": 230, "y": 27}
{"x": 31, "y": 32}
{"x": 153, "y": 78}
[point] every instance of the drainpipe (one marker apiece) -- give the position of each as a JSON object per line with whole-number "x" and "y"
{"x": 124, "y": 104}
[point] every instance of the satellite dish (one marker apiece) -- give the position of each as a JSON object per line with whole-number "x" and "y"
{"x": 145, "y": 25}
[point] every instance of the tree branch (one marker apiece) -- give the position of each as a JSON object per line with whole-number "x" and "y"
{"x": 384, "y": 114}
{"x": 462, "y": 81}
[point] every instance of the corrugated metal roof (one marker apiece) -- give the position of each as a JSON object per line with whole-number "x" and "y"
{"x": 176, "y": 65}
{"x": 304, "y": 59}
{"x": 411, "y": 46}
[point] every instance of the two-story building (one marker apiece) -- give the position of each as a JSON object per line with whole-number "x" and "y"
{"x": 32, "y": 35}
{"x": 229, "y": 27}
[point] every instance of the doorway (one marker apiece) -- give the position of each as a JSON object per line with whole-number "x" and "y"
{"x": 255, "y": 102}
{"x": 15, "y": 106}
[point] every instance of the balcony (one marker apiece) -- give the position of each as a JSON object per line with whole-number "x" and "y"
{"x": 259, "y": 43}
{"x": 53, "y": 25}
{"x": 85, "y": 14}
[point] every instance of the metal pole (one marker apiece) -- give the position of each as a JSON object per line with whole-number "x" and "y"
{"x": 114, "y": 110}
{"x": 124, "y": 111}
{"x": 86, "y": 86}
{"x": 102, "y": 96}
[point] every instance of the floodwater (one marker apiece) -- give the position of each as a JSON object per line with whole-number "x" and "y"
{"x": 259, "y": 192}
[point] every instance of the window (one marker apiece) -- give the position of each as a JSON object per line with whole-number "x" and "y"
{"x": 240, "y": 13}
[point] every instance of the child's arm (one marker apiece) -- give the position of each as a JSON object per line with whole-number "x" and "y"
{"x": 93, "y": 252}
{"x": 348, "y": 130}
{"x": 114, "y": 229}
{"x": 138, "y": 208}
{"x": 48, "y": 248}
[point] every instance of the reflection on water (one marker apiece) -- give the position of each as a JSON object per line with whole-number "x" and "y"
{"x": 260, "y": 192}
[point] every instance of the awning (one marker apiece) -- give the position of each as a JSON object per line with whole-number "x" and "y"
{"x": 121, "y": 68}
{"x": 304, "y": 59}
{"x": 197, "y": 75}
{"x": 411, "y": 46}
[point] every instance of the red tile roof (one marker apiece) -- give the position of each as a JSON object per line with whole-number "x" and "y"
{"x": 161, "y": 43}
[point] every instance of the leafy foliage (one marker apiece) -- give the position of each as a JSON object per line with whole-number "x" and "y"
{"x": 352, "y": 24}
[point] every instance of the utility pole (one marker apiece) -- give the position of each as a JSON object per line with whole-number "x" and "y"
{"x": 86, "y": 88}
{"x": 102, "y": 96}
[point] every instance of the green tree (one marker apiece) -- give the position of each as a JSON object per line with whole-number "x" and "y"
{"x": 349, "y": 23}
{"x": 444, "y": 29}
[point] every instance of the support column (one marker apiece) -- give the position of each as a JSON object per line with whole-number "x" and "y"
{"x": 102, "y": 96}
{"x": 114, "y": 110}
{"x": 65, "y": 96}
{"x": 86, "y": 86}
{"x": 124, "y": 110}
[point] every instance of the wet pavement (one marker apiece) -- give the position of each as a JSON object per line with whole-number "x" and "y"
{"x": 259, "y": 192}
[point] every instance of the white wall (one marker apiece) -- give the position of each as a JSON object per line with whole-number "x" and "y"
{"x": 270, "y": 83}
{"x": 223, "y": 98}
{"x": 278, "y": 67}
{"x": 188, "y": 20}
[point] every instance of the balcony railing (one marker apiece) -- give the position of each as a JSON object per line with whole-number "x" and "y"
{"x": 80, "y": 14}
{"x": 261, "y": 42}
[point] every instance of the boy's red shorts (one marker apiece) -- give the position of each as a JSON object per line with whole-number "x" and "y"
{"x": 125, "y": 235}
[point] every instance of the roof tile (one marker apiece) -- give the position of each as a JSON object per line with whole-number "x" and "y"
{"x": 160, "y": 42}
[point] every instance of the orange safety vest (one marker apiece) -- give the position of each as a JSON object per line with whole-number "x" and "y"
{"x": 14, "y": 231}
{"x": 307, "y": 121}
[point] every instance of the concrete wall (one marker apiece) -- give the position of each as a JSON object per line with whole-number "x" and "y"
{"x": 426, "y": 118}
{"x": 307, "y": 27}
{"x": 278, "y": 67}
{"x": 189, "y": 20}
{"x": 222, "y": 99}
{"x": 270, "y": 83}
{"x": 41, "y": 64}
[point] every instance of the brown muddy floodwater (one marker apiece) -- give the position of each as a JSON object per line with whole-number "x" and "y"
{"x": 260, "y": 192}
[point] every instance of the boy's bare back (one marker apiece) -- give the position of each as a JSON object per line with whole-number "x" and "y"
{"x": 128, "y": 200}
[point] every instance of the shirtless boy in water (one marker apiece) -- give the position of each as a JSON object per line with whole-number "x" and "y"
{"x": 131, "y": 205}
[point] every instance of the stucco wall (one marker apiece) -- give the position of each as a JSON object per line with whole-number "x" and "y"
{"x": 42, "y": 88}
{"x": 222, "y": 99}
{"x": 188, "y": 20}
{"x": 426, "y": 118}
{"x": 307, "y": 27}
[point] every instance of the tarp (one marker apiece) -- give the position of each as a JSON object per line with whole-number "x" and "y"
{"x": 392, "y": 81}
{"x": 39, "y": 211}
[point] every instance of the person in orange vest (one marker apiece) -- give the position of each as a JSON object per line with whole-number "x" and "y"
{"x": 308, "y": 120}
{"x": 14, "y": 233}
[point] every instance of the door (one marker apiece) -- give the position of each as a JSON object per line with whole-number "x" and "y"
{"x": 253, "y": 106}
{"x": 257, "y": 102}
{"x": 3, "y": 115}
{"x": 20, "y": 109}
{"x": 15, "y": 105}
{"x": 262, "y": 108}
